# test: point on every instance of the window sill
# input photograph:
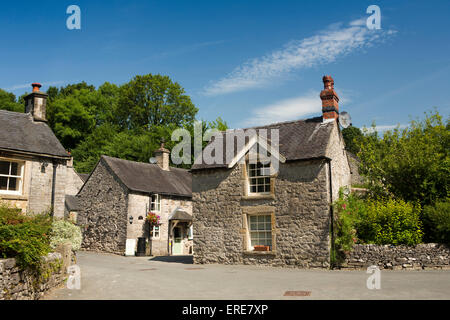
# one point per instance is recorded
(261, 253)
(12, 197)
(259, 197)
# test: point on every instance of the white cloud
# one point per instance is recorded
(285, 110)
(383, 128)
(28, 85)
(324, 47)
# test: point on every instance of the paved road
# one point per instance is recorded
(105, 276)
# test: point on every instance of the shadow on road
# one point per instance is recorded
(174, 259)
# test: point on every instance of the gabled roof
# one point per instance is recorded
(150, 178)
(298, 140)
(72, 203)
(20, 133)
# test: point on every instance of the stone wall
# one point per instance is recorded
(16, 284)
(340, 168)
(73, 182)
(36, 195)
(41, 183)
(138, 205)
(301, 218)
(354, 167)
(103, 203)
(422, 256)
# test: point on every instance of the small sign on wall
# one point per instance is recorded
(130, 247)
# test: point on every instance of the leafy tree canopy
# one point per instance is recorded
(413, 163)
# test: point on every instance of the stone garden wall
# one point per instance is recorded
(16, 284)
(419, 257)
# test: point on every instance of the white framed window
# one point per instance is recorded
(258, 178)
(191, 232)
(155, 205)
(155, 232)
(260, 231)
(11, 177)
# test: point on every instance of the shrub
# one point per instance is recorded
(24, 237)
(376, 221)
(391, 222)
(65, 232)
(436, 219)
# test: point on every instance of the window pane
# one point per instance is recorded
(3, 183)
(268, 218)
(260, 188)
(14, 169)
(4, 167)
(13, 184)
(253, 218)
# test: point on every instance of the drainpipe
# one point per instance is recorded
(331, 204)
(55, 166)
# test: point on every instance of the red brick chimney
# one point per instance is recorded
(330, 99)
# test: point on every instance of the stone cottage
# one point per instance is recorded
(117, 196)
(246, 212)
(33, 163)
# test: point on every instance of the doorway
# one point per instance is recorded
(177, 241)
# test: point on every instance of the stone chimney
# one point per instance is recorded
(36, 103)
(330, 99)
(162, 157)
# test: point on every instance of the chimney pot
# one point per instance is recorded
(36, 86)
(330, 99)
(162, 157)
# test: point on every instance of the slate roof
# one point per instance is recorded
(180, 215)
(150, 178)
(83, 176)
(18, 132)
(298, 140)
(72, 203)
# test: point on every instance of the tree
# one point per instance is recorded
(9, 102)
(352, 135)
(412, 164)
(153, 100)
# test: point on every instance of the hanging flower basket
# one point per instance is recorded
(153, 219)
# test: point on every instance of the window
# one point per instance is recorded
(155, 232)
(11, 177)
(260, 229)
(259, 178)
(191, 232)
(156, 203)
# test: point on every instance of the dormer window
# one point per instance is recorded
(259, 178)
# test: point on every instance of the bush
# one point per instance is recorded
(65, 232)
(376, 221)
(24, 237)
(436, 221)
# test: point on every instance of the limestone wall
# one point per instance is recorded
(301, 216)
(16, 284)
(138, 206)
(36, 195)
(103, 215)
(340, 167)
(421, 256)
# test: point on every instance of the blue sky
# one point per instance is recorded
(250, 62)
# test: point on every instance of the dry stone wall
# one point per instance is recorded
(16, 284)
(421, 256)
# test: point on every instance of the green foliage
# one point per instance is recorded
(437, 222)
(385, 221)
(63, 232)
(153, 100)
(25, 238)
(412, 164)
(9, 102)
(352, 137)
